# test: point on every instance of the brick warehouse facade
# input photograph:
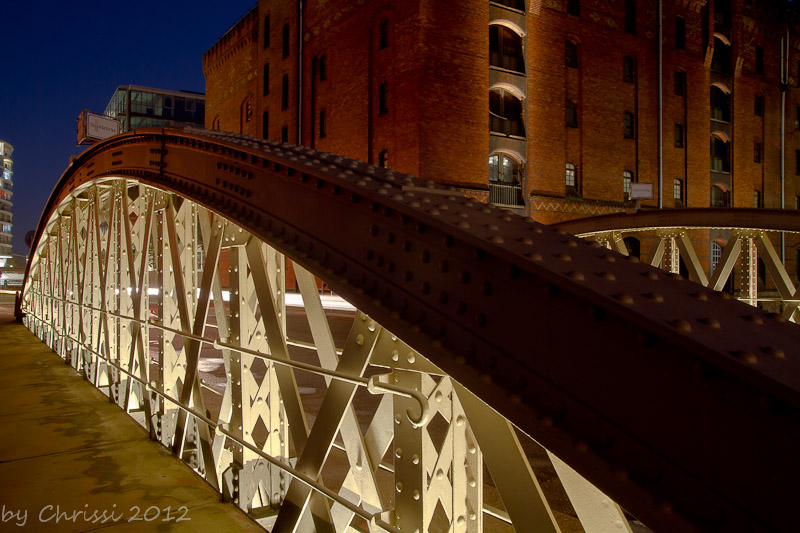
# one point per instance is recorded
(571, 88)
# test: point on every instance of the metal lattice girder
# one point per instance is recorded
(679, 404)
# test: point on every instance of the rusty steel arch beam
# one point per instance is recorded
(696, 218)
(679, 404)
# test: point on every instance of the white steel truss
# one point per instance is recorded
(744, 249)
(178, 315)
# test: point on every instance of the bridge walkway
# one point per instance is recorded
(66, 453)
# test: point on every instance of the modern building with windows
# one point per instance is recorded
(581, 98)
(6, 183)
(144, 107)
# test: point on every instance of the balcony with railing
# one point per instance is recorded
(506, 194)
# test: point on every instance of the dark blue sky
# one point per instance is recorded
(59, 57)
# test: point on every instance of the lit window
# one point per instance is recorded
(627, 179)
(677, 192)
(504, 169)
(570, 176)
(716, 255)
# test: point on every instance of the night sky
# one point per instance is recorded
(60, 57)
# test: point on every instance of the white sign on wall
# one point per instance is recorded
(641, 191)
(100, 127)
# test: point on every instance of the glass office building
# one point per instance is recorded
(145, 107)
(5, 201)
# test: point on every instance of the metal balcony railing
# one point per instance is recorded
(507, 194)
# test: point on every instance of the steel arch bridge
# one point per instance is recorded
(748, 240)
(161, 249)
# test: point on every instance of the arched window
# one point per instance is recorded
(716, 254)
(285, 40)
(505, 48)
(504, 169)
(627, 179)
(628, 73)
(265, 124)
(266, 31)
(285, 134)
(574, 7)
(323, 67)
(571, 114)
(720, 154)
(570, 54)
(721, 61)
(677, 192)
(505, 113)
(628, 129)
(215, 123)
(720, 104)
(634, 246)
(719, 196)
(246, 114)
(285, 92)
(571, 180)
(505, 178)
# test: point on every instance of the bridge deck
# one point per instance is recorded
(66, 449)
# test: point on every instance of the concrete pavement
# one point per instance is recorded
(72, 461)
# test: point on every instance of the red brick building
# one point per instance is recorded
(547, 107)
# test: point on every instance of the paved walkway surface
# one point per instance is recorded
(72, 461)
